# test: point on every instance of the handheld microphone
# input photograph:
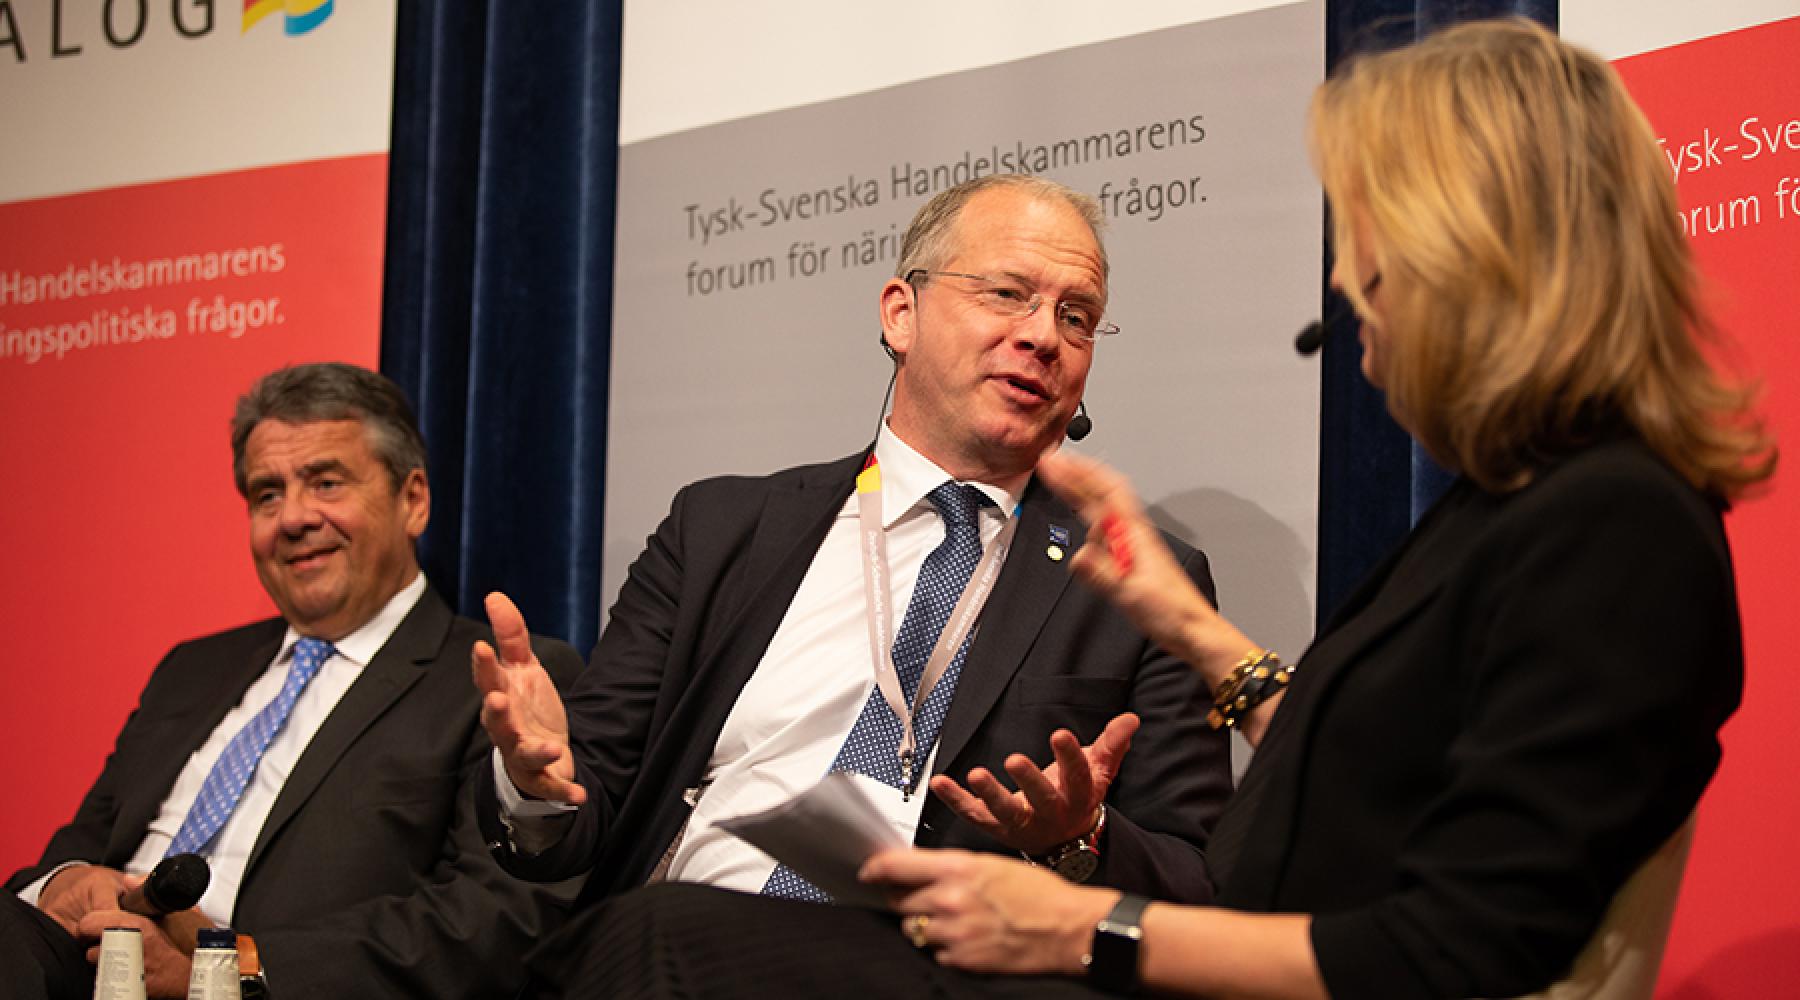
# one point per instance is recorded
(176, 883)
(1081, 425)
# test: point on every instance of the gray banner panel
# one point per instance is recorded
(750, 255)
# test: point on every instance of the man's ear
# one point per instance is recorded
(898, 315)
(415, 498)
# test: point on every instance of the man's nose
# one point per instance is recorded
(297, 512)
(1037, 331)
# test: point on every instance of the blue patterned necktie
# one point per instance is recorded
(870, 747)
(225, 783)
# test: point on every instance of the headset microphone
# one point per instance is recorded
(1310, 339)
(1081, 425)
(887, 349)
(1313, 337)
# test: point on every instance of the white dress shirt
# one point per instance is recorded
(230, 850)
(793, 715)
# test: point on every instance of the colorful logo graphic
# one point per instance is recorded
(301, 16)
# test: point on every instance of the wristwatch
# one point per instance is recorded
(251, 984)
(1078, 859)
(1112, 958)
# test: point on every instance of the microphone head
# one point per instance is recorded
(1081, 426)
(177, 882)
(1310, 339)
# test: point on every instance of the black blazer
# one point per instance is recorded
(369, 878)
(1505, 720)
(702, 602)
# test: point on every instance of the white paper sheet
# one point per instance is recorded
(825, 833)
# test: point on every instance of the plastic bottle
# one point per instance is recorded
(215, 968)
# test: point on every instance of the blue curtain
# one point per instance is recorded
(498, 298)
(1373, 481)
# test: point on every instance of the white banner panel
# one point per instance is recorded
(750, 255)
(1619, 28)
(700, 62)
(101, 93)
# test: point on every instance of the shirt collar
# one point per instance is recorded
(360, 646)
(906, 476)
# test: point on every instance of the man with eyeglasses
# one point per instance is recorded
(902, 614)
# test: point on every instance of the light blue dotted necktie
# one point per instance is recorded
(870, 747)
(225, 783)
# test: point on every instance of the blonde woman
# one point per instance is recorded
(1522, 703)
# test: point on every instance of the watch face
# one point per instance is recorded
(1077, 865)
(1114, 967)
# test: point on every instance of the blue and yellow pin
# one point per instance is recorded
(1059, 543)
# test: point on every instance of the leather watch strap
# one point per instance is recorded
(1112, 958)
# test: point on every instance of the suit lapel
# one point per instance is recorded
(1030, 584)
(1267, 798)
(396, 667)
(188, 733)
(793, 522)
(1379, 604)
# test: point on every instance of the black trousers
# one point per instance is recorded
(682, 940)
(38, 959)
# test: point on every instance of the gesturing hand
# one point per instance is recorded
(521, 709)
(1125, 560)
(1054, 805)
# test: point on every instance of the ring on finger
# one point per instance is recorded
(915, 926)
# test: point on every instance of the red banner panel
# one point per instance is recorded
(131, 319)
(1728, 111)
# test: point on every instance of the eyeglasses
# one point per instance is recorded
(1079, 323)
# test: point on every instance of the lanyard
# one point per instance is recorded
(876, 586)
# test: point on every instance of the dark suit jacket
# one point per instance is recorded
(702, 602)
(369, 878)
(1498, 728)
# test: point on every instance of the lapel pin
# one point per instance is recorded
(1059, 537)
(1055, 552)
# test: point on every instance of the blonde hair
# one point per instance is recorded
(1536, 288)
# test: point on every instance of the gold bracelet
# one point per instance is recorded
(1256, 678)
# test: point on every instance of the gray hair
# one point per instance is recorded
(927, 243)
(303, 394)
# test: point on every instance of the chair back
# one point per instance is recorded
(1620, 961)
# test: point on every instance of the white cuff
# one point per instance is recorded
(533, 826)
(29, 895)
(514, 804)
